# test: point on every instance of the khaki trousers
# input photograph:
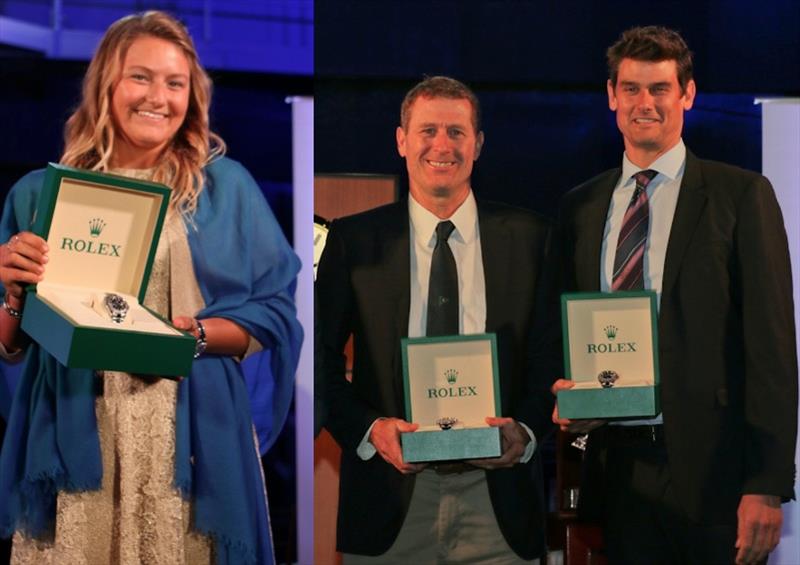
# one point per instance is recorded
(450, 521)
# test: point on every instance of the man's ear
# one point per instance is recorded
(612, 97)
(400, 136)
(479, 139)
(688, 94)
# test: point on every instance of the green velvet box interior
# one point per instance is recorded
(611, 353)
(451, 377)
(102, 231)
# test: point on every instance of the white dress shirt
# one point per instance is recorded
(662, 195)
(465, 243)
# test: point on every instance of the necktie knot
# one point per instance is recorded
(443, 230)
(643, 178)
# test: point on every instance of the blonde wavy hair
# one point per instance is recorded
(89, 134)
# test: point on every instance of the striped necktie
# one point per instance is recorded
(629, 259)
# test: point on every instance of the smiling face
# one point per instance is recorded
(649, 104)
(149, 101)
(440, 145)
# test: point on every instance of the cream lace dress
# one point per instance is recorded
(138, 516)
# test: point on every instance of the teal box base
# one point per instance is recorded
(106, 350)
(448, 445)
(621, 402)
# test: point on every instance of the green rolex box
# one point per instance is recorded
(451, 386)
(102, 231)
(611, 354)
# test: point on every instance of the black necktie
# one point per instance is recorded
(443, 286)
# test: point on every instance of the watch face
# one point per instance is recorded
(117, 307)
(607, 378)
(320, 235)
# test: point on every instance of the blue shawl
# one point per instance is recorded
(246, 272)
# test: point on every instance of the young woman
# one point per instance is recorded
(108, 467)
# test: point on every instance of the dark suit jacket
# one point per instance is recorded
(726, 335)
(363, 287)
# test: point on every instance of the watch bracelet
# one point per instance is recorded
(13, 312)
(200, 346)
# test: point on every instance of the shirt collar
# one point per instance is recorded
(424, 222)
(670, 164)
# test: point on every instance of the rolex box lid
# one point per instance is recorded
(102, 231)
(451, 386)
(451, 377)
(611, 354)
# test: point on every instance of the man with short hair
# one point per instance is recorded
(374, 281)
(703, 481)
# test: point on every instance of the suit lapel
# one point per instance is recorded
(495, 254)
(498, 265)
(397, 282)
(691, 201)
(589, 242)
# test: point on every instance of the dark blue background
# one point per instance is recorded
(539, 70)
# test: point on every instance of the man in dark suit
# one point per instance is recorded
(373, 282)
(703, 481)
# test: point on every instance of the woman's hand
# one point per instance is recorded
(185, 323)
(22, 262)
(223, 336)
